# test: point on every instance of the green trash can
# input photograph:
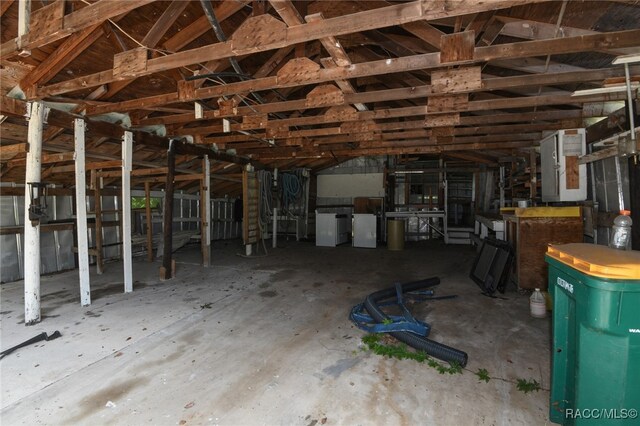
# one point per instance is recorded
(595, 360)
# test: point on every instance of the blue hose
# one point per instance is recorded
(435, 349)
(290, 188)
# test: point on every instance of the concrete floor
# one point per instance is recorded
(267, 341)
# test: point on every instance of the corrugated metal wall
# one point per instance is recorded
(56, 248)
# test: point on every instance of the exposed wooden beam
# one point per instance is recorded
(488, 84)
(76, 21)
(477, 158)
(46, 159)
(152, 38)
(464, 121)
(422, 61)
(4, 5)
(62, 56)
(16, 107)
(483, 105)
(399, 131)
(287, 12)
(535, 30)
(350, 153)
(421, 29)
(9, 151)
(166, 20)
(339, 57)
(361, 21)
(222, 9)
(425, 32)
(480, 22)
(599, 155)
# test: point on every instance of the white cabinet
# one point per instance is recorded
(364, 230)
(563, 179)
(332, 229)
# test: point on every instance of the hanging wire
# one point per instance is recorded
(548, 60)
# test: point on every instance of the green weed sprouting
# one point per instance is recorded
(483, 375)
(527, 386)
(402, 351)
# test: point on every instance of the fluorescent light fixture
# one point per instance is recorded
(226, 125)
(601, 90)
(626, 59)
(408, 172)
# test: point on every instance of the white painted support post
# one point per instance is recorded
(274, 234)
(24, 19)
(127, 155)
(206, 229)
(306, 203)
(32, 231)
(81, 213)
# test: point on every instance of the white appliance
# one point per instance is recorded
(364, 230)
(563, 179)
(332, 229)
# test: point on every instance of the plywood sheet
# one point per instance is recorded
(254, 121)
(298, 71)
(130, 63)
(257, 31)
(442, 120)
(456, 80)
(447, 103)
(457, 47)
(534, 234)
(324, 95)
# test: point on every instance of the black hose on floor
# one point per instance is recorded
(435, 349)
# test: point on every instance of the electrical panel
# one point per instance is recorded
(563, 179)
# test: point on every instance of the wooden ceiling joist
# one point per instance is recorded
(320, 81)
(490, 84)
(423, 61)
(361, 21)
(76, 21)
(16, 107)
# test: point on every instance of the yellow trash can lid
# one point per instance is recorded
(599, 261)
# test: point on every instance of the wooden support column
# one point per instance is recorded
(167, 265)
(250, 221)
(32, 229)
(81, 212)
(98, 212)
(147, 196)
(205, 212)
(127, 160)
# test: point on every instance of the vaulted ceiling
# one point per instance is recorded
(309, 83)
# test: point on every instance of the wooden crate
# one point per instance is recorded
(530, 236)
